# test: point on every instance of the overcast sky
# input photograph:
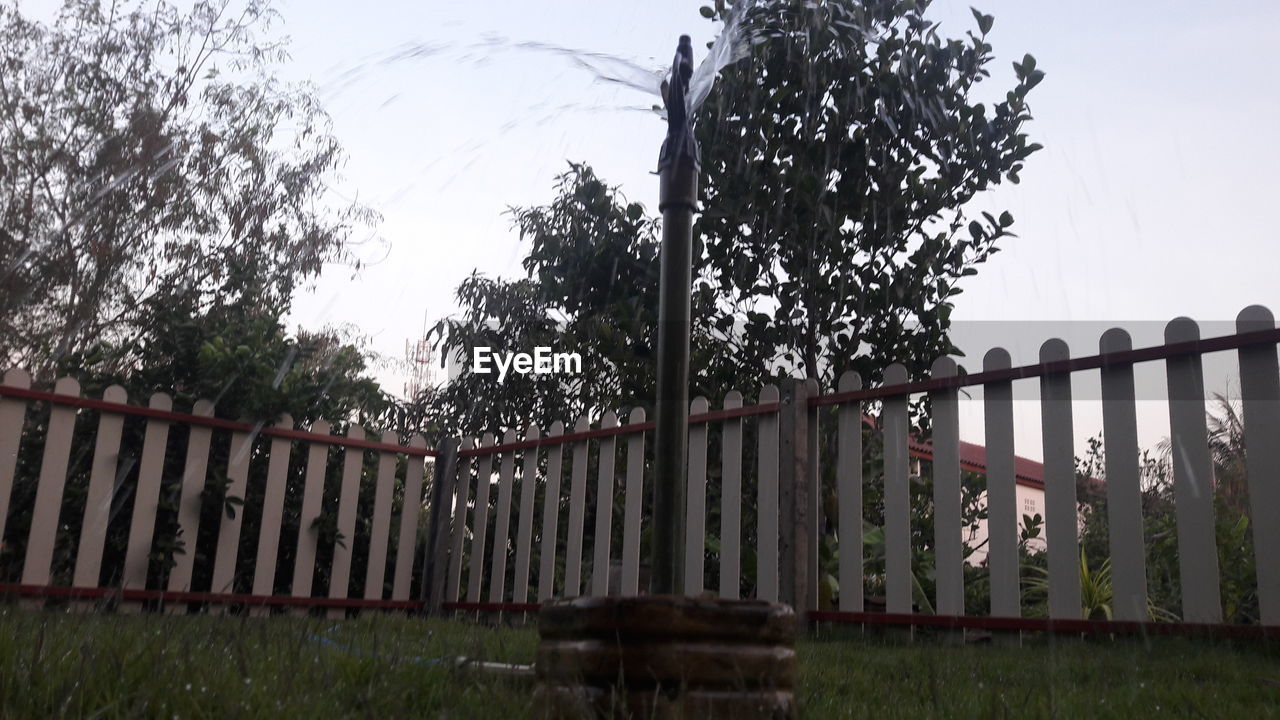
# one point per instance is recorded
(1154, 196)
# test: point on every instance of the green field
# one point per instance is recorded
(125, 666)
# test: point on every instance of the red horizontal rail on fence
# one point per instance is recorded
(1094, 627)
(1092, 362)
(646, 426)
(491, 607)
(176, 417)
(88, 593)
(1105, 627)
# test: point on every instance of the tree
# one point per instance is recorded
(838, 163)
(148, 154)
(162, 195)
(243, 360)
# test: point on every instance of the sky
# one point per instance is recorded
(1153, 197)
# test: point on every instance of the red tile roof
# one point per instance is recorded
(973, 457)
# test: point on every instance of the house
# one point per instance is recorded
(1028, 478)
(1028, 489)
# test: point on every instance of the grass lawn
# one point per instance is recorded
(116, 666)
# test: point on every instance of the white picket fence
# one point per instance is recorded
(48, 517)
(787, 540)
(1255, 344)
(543, 460)
(547, 484)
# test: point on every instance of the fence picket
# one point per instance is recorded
(304, 560)
(463, 484)
(524, 538)
(1260, 389)
(380, 532)
(97, 505)
(577, 513)
(632, 507)
(767, 500)
(224, 561)
(480, 533)
(53, 479)
(696, 501)
(13, 413)
(731, 500)
(849, 497)
(897, 497)
(1002, 499)
(1192, 479)
(604, 508)
(264, 568)
(348, 499)
(550, 517)
(146, 500)
(410, 512)
(948, 533)
(1124, 492)
(1060, 520)
(502, 522)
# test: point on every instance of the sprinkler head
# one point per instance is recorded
(680, 145)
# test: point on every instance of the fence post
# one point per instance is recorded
(798, 497)
(434, 559)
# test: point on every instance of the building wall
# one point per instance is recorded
(1030, 502)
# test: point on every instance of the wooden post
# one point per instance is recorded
(798, 497)
(433, 571)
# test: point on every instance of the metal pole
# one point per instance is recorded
(677, 200)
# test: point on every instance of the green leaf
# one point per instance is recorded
(707, 12)
(984, 21)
